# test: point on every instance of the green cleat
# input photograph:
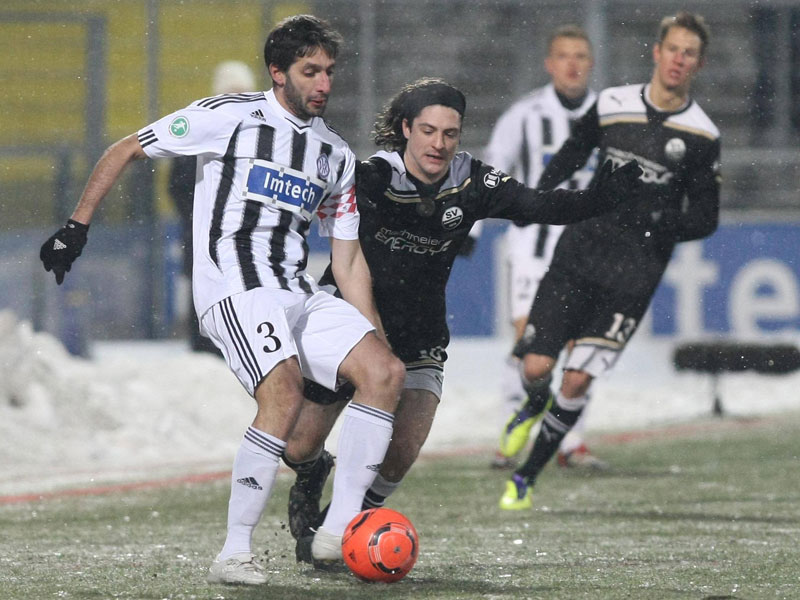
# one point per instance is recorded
(518, 429)
(518, 496)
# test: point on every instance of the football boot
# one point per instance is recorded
(518, 495)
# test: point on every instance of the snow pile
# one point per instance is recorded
(132, 410)
(150, 409)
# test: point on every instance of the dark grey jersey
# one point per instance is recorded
(629, 248)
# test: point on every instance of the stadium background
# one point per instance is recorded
(79, 75)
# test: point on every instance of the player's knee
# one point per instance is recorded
(392, 373)
(537, 367)
(384, 377)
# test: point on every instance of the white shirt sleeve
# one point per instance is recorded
(338, 214)
(188, 132)
(505, 144)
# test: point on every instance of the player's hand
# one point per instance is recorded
(618, 185)
(62, 248)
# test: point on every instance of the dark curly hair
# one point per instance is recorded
(408, 103)
(299, 36)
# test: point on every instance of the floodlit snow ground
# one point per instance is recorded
(143, 410)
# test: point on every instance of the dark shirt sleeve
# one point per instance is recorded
(574, 152)
(697, 215)
(506, 198)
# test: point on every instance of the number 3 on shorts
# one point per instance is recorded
(266, 330)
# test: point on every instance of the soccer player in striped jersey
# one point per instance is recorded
(605, 270)
(267, 165)
(523, 141)
(418, 200)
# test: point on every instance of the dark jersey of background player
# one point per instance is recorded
(630, 247)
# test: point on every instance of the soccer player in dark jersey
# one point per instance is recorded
(605, 270)
(418, 200)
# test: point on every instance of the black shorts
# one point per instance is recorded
(319, 394)
(573, 308)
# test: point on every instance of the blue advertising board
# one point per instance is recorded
(742, 282)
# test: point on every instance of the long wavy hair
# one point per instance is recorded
(408, 103)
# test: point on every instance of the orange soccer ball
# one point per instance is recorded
(380, 544)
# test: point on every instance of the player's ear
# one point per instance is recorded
(278, 76)
(406, 128)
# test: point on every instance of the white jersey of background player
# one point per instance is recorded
(523, 140)
(267, 165)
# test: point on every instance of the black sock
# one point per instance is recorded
(555, 425)
(538, 393)
(309, 472)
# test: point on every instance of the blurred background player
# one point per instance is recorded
(523, 141)
(605, 270)
(230, 77)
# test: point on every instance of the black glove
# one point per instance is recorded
(467, 246)
(618, 185)
(62, 248)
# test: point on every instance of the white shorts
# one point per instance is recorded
(259, 328)
(528, 252)
(592, 359)
(523, 281)
(428, 377)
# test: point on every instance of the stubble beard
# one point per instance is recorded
(296, 101)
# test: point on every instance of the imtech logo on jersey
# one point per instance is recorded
(284, 188)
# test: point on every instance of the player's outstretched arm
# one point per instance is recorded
(560, 207)
(65, 245)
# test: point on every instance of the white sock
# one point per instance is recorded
(254, 470)
(363, 439)
(379, 491)
(511, 387)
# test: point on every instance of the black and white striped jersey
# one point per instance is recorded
(262, 176)
(524, 139)
(679, 152)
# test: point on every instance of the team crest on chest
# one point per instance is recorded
(323, 167)
(675, 149)
(452, 217)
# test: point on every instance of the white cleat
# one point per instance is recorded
(239, 569)
(326, 550)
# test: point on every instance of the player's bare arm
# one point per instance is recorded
(105, 174)
(61, 249)
(351, 272)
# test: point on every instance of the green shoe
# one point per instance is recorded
(518, 496)
(518, 429)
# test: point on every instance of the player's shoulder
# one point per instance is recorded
(233, 104)
(328, 133)
(533, 101)
(694, 120)
(461, 168)
(622, 100)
